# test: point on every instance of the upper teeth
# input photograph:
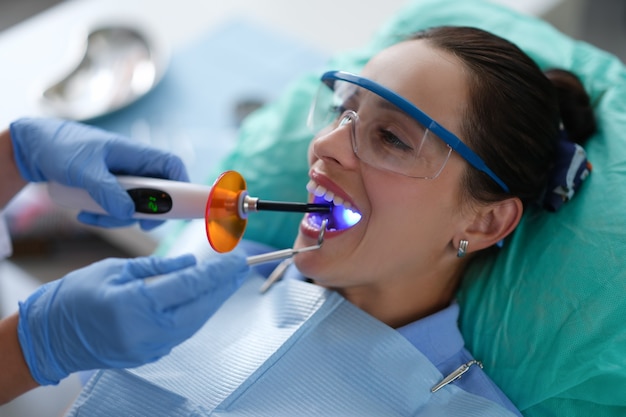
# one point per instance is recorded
(319, 191)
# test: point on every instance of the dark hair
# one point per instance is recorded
(514, 112)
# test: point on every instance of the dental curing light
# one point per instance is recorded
(228, 206)
(224, 205)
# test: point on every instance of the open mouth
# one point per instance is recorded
(339, 218)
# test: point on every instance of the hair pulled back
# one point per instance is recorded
(514, 113)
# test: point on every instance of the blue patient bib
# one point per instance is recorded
(297, 350)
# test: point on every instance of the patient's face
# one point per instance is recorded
(407, 226)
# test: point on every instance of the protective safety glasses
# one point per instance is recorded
(388, 132)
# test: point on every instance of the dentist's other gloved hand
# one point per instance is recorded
(83, 156)
(107, 316)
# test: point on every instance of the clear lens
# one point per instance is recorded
(325, 109)
(383, 135)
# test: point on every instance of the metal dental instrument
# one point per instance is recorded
(126, 60)
(279, 271)
(286, 253)
(224, 205)
(456, 374)
(276, 275)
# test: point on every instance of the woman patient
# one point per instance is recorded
(435, 148)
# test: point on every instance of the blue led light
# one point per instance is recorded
(350, 217)
(340, 218)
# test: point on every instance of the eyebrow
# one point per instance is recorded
(387, 105)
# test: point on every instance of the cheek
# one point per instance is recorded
(411, 208)
(393, 210)
(390, 193)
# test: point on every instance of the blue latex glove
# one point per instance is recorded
(83, 156)
(106, 316)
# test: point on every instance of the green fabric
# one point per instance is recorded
(546, 315)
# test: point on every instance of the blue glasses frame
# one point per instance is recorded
(409, 108)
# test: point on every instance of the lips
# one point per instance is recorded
(342, 216)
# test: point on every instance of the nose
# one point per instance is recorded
(336, 144)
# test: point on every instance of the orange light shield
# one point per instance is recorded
(225, 223)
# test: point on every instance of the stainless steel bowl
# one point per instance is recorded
(119, 65)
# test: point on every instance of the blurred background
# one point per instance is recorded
(15, 11)
(600, 22)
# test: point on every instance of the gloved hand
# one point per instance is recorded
(83, 156)
(107, 316)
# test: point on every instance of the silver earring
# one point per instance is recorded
(462, 248)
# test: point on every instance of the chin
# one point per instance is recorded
(308, 263)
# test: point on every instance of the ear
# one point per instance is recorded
(490, 223)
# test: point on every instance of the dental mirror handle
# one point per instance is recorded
(277, 255)
(286, 253)
(154, 198)
(269, 257)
